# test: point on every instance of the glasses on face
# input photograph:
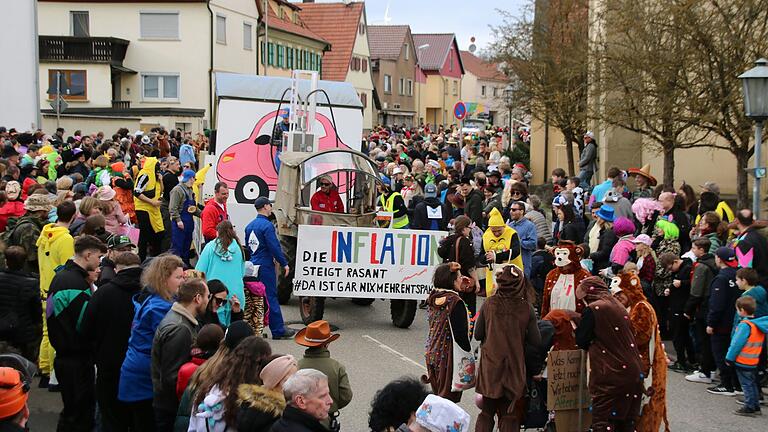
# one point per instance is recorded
(516, 193)
(516, 209)
(324, 184)
(219, 301)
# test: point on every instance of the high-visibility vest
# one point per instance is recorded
(750, 353)
(389, 206)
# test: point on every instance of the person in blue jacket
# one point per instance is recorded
(265, 248)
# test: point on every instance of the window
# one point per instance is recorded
(495, 92)
(401, 86)
(221, 29)
(263, 52)
(298, 59)
(280, 56)
(79, 23)
(409, 88)
(73, 84)
(407, 51)
(365, 65)
(482, 90)
(289, 58)
(311, 61)
(295, 17)
(271, 54)
(387, 84)
(455, 87)
(160, 87)
(361, 29)
(159, 25)
(247, 36)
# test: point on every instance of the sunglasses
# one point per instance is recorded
(325, 184)
(513, 193)
(219, 301)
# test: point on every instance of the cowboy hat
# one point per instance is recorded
(315, 334)
(645, 171)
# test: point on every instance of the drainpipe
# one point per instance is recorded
(210, 71)
(546, 147)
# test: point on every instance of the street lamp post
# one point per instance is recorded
(508, 100)
(755, 84)
(418, 97)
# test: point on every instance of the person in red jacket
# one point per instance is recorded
(215, 211)
(327, 199)
(208, 339)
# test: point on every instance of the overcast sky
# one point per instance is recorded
(464, 18)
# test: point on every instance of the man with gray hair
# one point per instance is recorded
(308, 401)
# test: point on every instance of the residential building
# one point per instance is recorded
(345, 26)
(152, 63)
(482, 89)
(292, 45)
(393, 64)
(439, 74)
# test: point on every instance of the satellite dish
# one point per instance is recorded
(472, 48)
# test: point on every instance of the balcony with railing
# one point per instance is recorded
(73, 49)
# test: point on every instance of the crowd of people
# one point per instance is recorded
(102, 288)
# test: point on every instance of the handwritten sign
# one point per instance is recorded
(564, 371)
(365, 262)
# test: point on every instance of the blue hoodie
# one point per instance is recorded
(135, 378)
(741, 335)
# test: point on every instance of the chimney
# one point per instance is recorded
(308, 1)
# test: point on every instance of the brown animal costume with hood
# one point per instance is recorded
(561, 282)
(653, 360)
(506, 325)
(615, 380)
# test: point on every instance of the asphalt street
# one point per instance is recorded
(375, 352)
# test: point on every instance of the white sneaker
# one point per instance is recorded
(698, 377)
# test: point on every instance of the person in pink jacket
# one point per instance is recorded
(115, 219)
(624, 229)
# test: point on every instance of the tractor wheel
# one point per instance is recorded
(403, 312)
(285, 283)
(360, 301)
(311, 309)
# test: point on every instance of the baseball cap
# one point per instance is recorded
(187, 175)
(261, 202)
(727, 255)
(430, 190)
(117, 241)
(712, 187)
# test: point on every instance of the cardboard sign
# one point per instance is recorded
(564, 370)
(365, 262)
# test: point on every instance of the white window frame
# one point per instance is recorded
(161, 12)
(249, 26)
(72, 21)
(224, 17)
(387, 90)
(407, 51)
(160, 87)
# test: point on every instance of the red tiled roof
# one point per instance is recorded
(433, 57)
(480, 68)
(338, 24)
(288, 26)
(386, 41)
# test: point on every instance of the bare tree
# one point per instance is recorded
(545, 48)
(642, 76)
(725, 37)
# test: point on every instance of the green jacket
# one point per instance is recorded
(24, 232)
(338, 382)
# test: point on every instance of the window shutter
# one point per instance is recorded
(159, 25)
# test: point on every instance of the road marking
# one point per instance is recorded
(396, 353)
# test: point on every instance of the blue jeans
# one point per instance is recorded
(268, 277)
(586, 178)
(748, 380)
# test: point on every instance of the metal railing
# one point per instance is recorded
(121, 104)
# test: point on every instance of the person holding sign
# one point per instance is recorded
(327, 198)
(501, 245)
(616, 381)
(506, 326)
(392, 202)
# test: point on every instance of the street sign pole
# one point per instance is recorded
(758, 173)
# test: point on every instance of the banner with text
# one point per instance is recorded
(365, 262)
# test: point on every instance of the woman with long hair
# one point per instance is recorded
(448, 325)
(690, 201)
(161, 281)
(224, 259)
(216, 399)
(457, 247)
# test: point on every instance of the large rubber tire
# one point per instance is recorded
(285, 283)
(403, 312)
(361, 301)
(311, 309)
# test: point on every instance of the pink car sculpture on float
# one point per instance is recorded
(250, 169)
